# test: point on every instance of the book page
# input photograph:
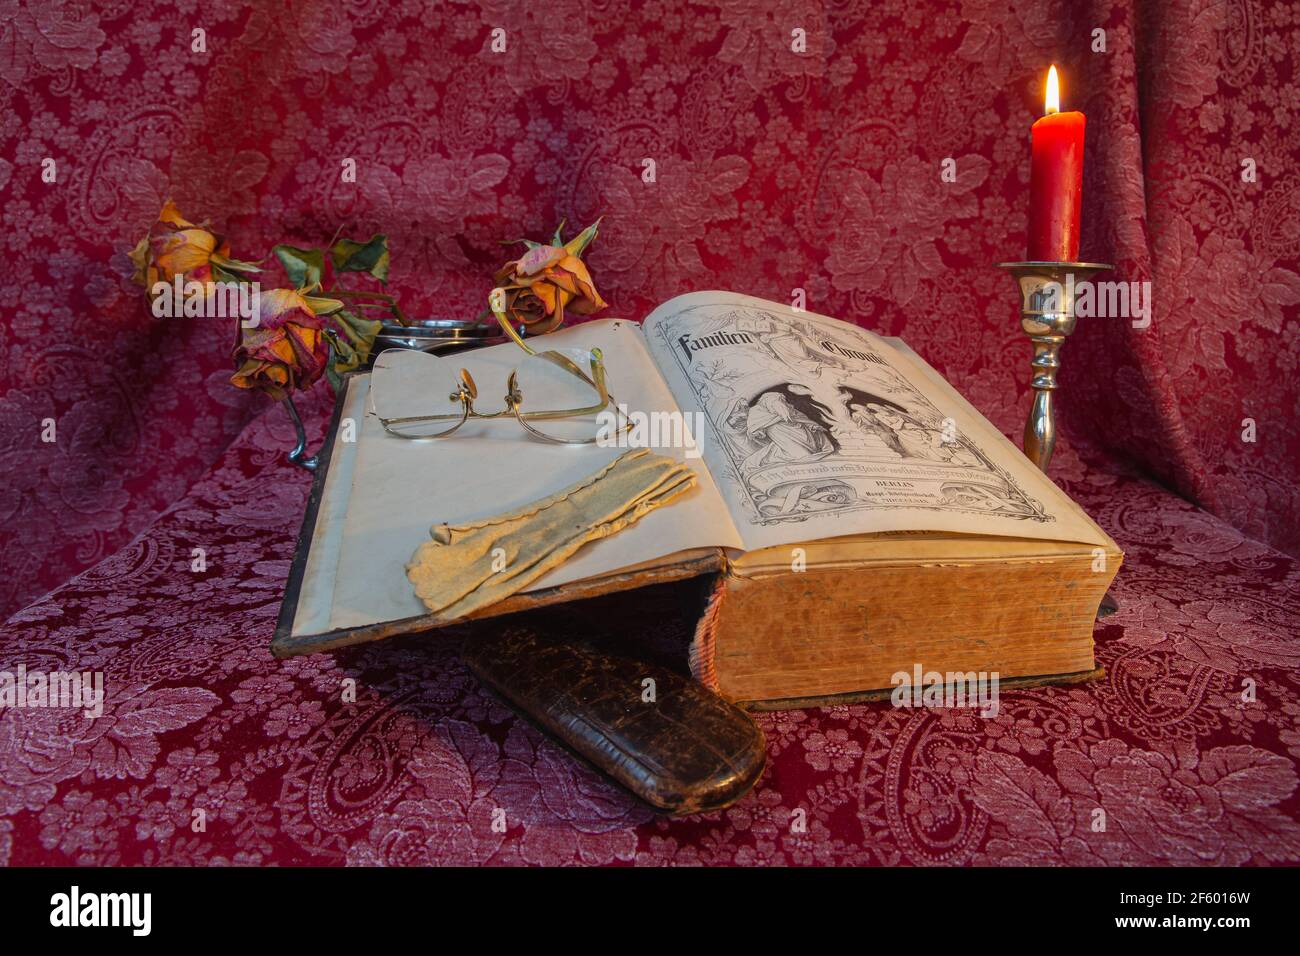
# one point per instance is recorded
(816, 428)
(399, 488)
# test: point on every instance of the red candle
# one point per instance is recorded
(1055, 181)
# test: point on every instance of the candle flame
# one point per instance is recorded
(1052, 102)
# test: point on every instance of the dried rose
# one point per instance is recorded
(288, 350)
(547, 281)
(175, 246)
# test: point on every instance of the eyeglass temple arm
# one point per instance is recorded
(596, 381)
(509, 329)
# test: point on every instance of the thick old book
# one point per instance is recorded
(859, 517)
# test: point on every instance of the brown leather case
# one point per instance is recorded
(685, 751)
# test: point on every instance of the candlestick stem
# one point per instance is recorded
(1047, 292)
(1040, 427)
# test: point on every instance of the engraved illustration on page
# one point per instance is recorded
(812, 420)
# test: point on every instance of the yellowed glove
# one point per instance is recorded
(453, 574)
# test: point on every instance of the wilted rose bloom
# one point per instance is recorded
(544, 284)
(287, 351)
(175, 246)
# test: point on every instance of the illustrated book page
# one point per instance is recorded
(814, 428)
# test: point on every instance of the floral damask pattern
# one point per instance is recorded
(51, 35)
(1168, 751)
(721, 158)
(766, 147)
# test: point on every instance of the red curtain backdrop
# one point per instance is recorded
(774, 171)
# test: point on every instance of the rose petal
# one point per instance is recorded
(538, 258)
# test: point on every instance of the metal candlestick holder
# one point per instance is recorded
(1047, 316)
(1047, 292)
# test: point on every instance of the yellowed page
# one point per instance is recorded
(817, 429)
(316, 595)
(400, 488)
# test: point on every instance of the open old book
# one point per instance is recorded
(861, 518)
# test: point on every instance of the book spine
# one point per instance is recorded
(703, 644)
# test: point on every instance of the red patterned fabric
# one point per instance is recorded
(774, 171)
(200, 717)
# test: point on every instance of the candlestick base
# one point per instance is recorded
(1047, 294)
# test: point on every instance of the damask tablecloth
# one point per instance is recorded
(1186, 750)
